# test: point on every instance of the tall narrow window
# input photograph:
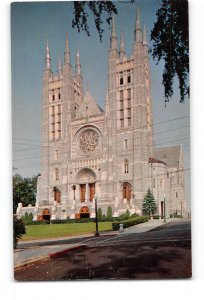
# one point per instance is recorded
(129, 121)
(125, 144)
(126, 166)
(122, 123)
(154, 182)
(56, 174)
(53, 97)
(56, 154)
(121, 78)
(128, 76)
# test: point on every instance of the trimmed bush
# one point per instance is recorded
(109, 213)
(99, 213)
(130, 222)
(18, 230)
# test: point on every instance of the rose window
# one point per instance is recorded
(89, 141)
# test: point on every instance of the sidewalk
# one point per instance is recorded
(38, 250)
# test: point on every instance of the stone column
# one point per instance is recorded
(87, 192)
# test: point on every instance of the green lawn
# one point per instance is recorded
(62, 230)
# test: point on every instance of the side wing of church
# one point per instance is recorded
(110, 153)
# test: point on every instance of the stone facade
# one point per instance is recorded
(87, 151)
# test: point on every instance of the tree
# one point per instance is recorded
(149, 205)
(18, 230)
(97, 8)
(24, 190)
(170, 37)
(171, 43)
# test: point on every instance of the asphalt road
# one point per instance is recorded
(162, 253)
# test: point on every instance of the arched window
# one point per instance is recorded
(56, 174)
(57, 195)
(126, 166)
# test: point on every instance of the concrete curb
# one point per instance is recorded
(65, 251)
(30, 261)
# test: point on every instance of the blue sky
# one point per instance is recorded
(31, 24)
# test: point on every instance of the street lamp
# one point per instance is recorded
(96, 213)
(164, 209)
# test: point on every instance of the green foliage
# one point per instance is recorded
(170, 38)
(124, 216)
(98, 9)
(149, 205)
(24, 190)
(109, 213)
(18, 230)
(99, 213)
(130, 222)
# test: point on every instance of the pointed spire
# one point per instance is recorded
(113, 39)
(59, 66)
(78, 65)
(67, 52)
(145, 37)
(47, 57)
(122, 46)
(138, 31)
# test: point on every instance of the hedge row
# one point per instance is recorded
(130, 222)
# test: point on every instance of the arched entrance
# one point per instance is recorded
(46, 214)
(86, 179)
(57, 195)
(127, 191)
(84, 212)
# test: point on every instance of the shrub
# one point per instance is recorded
(99, 213)
(109, 213)
(130, 222)
(18, 230)
(124, 216)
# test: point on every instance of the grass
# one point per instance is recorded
(34, 232)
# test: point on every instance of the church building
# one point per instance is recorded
(108, 153)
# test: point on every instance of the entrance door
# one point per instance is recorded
(46, 214)
(127, 191)
(91, 191)
(162, 209)
(84, 212)
(82, 192)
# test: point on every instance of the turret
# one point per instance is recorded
(122, 47)
(59, 71)
(138, 31)
(47, 57)
(67, 51)
(78, 65)
(113, 39)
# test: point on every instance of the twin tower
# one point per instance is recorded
(88, 152)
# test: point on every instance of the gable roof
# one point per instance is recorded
(89, 107)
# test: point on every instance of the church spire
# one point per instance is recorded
(67, 52)
(59, 66)
(78, 65)
(138, 31)
(144, 42)
(113, 39)
(122, 46)
(47, 57)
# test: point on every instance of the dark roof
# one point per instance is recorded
(169, 155)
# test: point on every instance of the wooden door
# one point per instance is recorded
(127, 191)
(57, 196)
(82, 192)
(91, 191)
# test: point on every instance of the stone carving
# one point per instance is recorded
(89, 141)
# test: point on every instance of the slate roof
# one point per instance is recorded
(169, 155)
